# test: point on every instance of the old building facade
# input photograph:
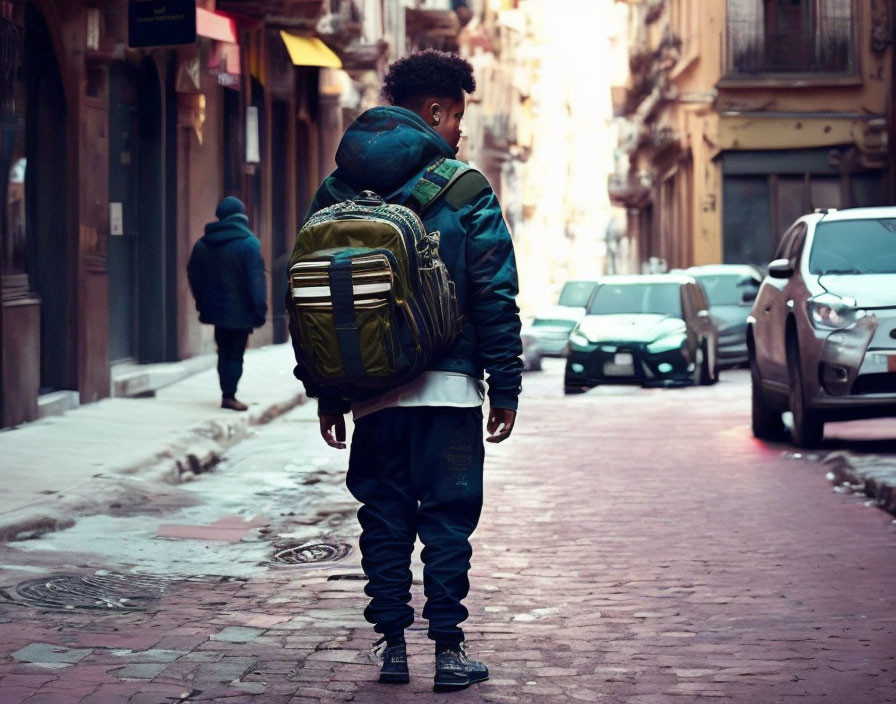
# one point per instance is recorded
(739, 116)
(539, 127)
(115, 156)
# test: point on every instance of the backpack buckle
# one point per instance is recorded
(369, 198)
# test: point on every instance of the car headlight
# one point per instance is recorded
(667, 343)
(831, 312)
(578, 339)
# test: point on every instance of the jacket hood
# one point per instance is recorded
(385, 147)
(233, 227)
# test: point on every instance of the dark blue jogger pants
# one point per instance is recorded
(231, 347)
(417, 471)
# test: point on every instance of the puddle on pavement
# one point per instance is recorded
(280, 474)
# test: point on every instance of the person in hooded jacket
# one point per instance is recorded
(226, 274)
(417, 454)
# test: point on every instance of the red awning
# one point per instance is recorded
(215, 26)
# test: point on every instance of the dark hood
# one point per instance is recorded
(385, 148)
(220, 232)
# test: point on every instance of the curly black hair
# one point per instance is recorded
(427, 74)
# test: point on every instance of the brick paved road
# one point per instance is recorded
(637, 547)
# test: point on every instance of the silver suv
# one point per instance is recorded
(822, 332)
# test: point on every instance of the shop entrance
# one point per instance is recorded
(137, 272)
(49, 249)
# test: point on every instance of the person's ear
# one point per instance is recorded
(436, 111)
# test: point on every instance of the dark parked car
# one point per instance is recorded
(551, 329)
(822, 333)
(531, 351)
(653, 329)
(577, 293)
(731, 290)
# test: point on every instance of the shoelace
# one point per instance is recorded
(460, 653)
(378, 649)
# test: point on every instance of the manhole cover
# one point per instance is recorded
(124, 592)
(312, 553)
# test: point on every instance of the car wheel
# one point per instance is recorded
(808, 425)
(570, 390)
(767, 422)
(708, 376)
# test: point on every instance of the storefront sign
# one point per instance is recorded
(161, 22)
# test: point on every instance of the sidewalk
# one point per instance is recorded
(122, 449)
(873, 475)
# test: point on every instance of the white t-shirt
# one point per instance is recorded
(429, 389)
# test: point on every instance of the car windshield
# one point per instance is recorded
(726, 289)
(661, 298)
(576, 293)
(854, 247)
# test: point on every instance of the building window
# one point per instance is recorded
(790, 36)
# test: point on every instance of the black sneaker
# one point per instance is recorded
(394, 669)
(454, 670)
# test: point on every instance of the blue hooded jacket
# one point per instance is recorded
(226, 274)
(386, 150)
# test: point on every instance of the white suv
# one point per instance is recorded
(822, 332)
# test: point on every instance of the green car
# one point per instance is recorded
(653, 330)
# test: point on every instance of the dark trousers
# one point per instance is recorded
(231, 346)
(417, 471)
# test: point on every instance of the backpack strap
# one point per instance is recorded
(444, 177)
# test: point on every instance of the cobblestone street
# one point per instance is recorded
(636, 546)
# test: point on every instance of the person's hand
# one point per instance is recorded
(332, 429)
(500, 424)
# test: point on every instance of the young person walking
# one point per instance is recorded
(417, 451)
(226, 274)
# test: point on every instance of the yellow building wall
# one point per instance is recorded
(799, 113)
(772, 132)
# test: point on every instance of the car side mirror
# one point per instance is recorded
(780, 269)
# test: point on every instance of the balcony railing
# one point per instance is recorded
(821, 43)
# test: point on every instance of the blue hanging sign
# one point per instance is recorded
(161, 22)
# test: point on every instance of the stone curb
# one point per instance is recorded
(206, 443)
(182, 459)
(873, 475)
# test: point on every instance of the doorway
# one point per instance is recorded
(49, 249)
(137, 270)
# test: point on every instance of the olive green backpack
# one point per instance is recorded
(371, 302)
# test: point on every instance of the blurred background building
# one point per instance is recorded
(739, 116)
(620, 135)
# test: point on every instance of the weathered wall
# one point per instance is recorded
(200, 189)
